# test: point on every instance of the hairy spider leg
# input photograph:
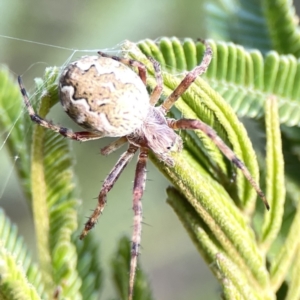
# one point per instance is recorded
(156, 93)
(109, 182)
(140, 173)
(113, 146)
(130, 62)
(81, 136)
(189, 78)
(197, 124)
(138, 191)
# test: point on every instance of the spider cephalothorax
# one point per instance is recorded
(155, 134)
(106, 97)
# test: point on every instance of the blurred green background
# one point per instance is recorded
(168, 256)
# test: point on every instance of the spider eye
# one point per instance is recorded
(171, 146)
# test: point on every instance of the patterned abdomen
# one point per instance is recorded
(104, 96)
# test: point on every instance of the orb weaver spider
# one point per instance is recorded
(105, 96)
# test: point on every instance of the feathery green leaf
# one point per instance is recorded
(89, 267)
(245, 78)
(20, 277)
(275, 176)
(294, 287)
(54, 204)
(120, 268)
(13, 123)
(283, 260)
(264, 25)
(202, 102)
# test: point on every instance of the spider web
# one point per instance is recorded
(9, 185)
(11, 195)
(29, 73)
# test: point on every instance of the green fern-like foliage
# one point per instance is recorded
(120, 269)
(67, 268)
(220, 230)
(253, 253)
(17, 281)
(48, 180)
(243, 77)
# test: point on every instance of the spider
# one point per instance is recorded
(104, 95)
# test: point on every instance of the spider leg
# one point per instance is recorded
(156, 93)
(78, 136)
(131, 62)
(197, 124)
(138, 190)
(115, 145)
(109, 182)
(189, 78)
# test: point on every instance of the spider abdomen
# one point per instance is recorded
(104, 95)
